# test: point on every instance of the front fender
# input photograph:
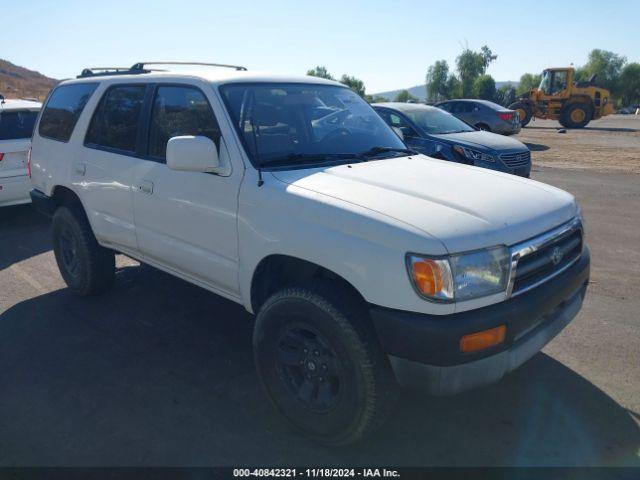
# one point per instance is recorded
(364, 247)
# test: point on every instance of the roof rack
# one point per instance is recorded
(141, 65)
(101, 71)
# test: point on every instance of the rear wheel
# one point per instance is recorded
(86, 267)
(576, 115)
(321, 364)
(524, 112)
(483, 126)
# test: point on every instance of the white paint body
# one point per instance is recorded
(359, 222)
(14, 182)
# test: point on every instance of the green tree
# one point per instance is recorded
(405, 96)
(484, 87)
(320, 71)
(606, 65)
(471, 65)
(375, 98)
(454, 87)
(630, 84)
(436, 81)
(527, 82)
(487, 56)
(354, 84)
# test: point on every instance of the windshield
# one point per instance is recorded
(303, 123)
(436, 121)
(545, 81)
(17, 124)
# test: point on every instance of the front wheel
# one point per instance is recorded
(321, 365)
(524, 112)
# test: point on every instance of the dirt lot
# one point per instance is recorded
(608, 145)
(159, 372)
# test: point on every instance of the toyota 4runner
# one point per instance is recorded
(367, 265)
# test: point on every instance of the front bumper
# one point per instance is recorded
(424, 349)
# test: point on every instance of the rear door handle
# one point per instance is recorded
(81, 168)
(146, 187)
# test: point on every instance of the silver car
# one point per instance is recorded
(484, 115)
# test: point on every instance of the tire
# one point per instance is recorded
(321, 364)
(86, 267)
(576, 115)
(524, 110)
(483, 126)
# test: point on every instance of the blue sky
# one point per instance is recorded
(387, 44)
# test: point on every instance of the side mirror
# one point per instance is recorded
(398, 132)
(192, 154)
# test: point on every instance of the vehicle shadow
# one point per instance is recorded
(536, 147)
(24, 233)
(159, 372)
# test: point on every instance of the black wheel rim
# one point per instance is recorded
(69, 251)
(309, 367)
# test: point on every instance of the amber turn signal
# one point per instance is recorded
(481, 340)
(428, 277)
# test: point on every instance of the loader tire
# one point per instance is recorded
(524, 111)
(576, 115)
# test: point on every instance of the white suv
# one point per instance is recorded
(367, 265)
(17, 118)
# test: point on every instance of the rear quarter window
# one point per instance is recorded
(63, 110)
(17, 124)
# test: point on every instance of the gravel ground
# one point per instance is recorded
(611, 144)
(159, 372)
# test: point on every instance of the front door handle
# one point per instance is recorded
(146, 187)
(81, 168)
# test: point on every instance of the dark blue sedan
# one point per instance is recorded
(439, 134)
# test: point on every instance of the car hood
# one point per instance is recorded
(464, 207)
(482, 139)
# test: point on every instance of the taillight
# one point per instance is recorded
(506, 116)
(1, 156)
(29, 162)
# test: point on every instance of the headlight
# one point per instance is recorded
(460, 277)
(473, 154)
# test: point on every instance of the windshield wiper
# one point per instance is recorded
(372, 152)
(304, 158)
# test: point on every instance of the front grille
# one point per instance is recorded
(514, 160)
(538, 265)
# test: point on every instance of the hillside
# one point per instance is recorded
(420, 91)
(19, 82)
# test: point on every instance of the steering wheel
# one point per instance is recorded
(338, 132)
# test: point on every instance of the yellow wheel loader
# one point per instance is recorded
(559, 97)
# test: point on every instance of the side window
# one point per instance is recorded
(445, 106)
(457, 107)
(63, 110)
(180, 110)
(559, 82)
(466, 107)
(115, 121)
(398, 121)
